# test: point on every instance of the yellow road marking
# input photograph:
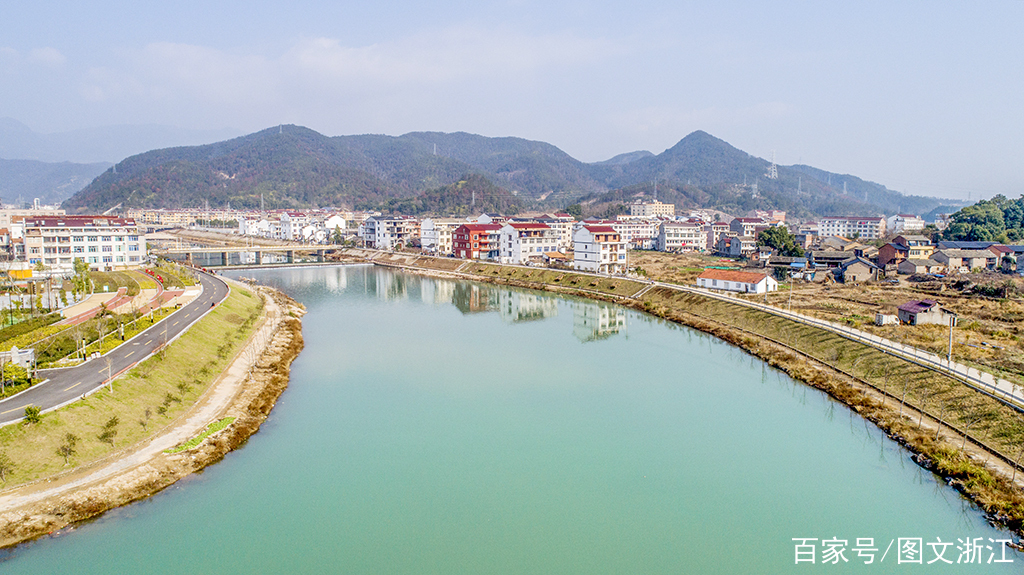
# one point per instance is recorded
(73, 386)
(129, 354)
(15, 409)
(175, 323)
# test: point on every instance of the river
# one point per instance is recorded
(434, 426)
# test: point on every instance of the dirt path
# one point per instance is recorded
(246, 390)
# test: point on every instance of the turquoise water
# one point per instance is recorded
(448, 427)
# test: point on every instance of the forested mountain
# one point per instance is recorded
(702, 171)
(292, 166)
(52, 183)
(471, 195)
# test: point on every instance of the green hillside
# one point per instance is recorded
(293, 167)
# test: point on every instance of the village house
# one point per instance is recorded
(599, 249)
(963, 261)
(681, 236)
(919, 312)
(521, 242)
(476, 241)
(737, 281)
(913, 266)
(858, 270)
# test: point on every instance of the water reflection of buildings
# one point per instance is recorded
(391, 286)
(594, 321)
(474, 298)
(437, 291)
(516, 306)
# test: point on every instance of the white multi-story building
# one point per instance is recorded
(634, 229)
(563, 225)
(681, 236)
(387, 232)
(652, 209)
(102, 242)
(436, 234)
(519, 242)
(292, 224)
(599, 249)
(903, 224)
(868, 228)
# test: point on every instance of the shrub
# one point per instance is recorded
(33, 414)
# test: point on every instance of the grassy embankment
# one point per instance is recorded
(165, 385)
(908, 392)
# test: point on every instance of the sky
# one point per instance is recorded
(924, 97)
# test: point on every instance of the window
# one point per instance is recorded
(108, 259)
(106, 238)
(79, 238)
(94, 238)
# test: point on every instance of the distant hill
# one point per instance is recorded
(702, 171)
(102, 144)
(52, 183)
(625, 158)
(293, 166)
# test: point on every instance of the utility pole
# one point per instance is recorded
(110, 376)
(949, 354)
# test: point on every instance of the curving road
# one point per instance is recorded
(65, 386)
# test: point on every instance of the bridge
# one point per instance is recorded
(225, 252)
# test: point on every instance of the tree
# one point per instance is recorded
(338, 236)
(779, 239)
(982, 222)
(575, 211)
(144, 420)
(32, 414)
(6, 466)
(109, 433)
(67, 450)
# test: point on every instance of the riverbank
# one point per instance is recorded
(967, 438)
(246, 390)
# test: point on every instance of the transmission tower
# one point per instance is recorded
(773, 172)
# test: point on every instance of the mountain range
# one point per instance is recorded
(293, 166)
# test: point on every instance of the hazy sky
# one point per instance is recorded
(924, 97)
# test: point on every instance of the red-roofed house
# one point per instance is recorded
(734, 280)
(599, 248)
(476, 241)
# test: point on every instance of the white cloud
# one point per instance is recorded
(47, 57)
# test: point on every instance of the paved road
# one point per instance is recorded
(68, 384)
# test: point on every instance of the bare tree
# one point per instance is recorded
(67, 450)
(144, 420)
(109, 433)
